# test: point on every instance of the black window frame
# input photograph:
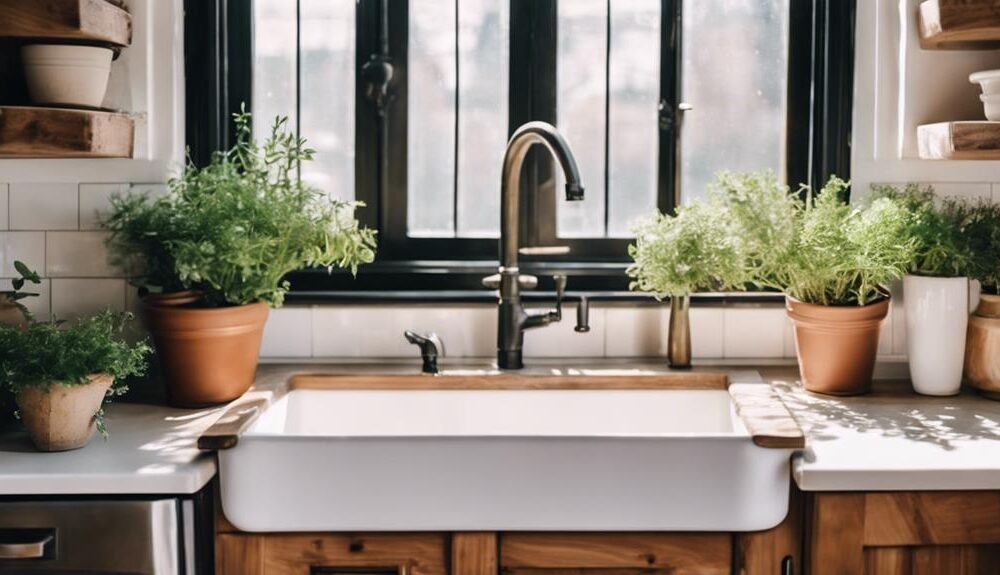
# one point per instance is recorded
(218, 60)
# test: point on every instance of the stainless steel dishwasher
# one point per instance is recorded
(154, 536)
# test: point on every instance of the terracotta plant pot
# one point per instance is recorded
(982, 348)
(837, 345)
(61, 417)
(174, 298)
(208, 355)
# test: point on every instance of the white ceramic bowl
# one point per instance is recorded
(988, 79)
(63, 74)
(991, 105)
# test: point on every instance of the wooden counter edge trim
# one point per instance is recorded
(766, 418)
(225, 432)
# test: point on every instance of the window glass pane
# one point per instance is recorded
(327, 87)
(483, 41)
(735, 62)
(581, 98)
(633, 137)
(274, 88)
(431, 119)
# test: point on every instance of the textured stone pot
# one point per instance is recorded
(837, 345)
(208, 356)
(60, 417)
(982, 347)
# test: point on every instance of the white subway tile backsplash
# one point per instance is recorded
(288, 333)
(75, 297)
(707, 327)
(560, 340)
(967, 190)
(377, 331)
(996, 192)
(44, 207)
(754, 332)
(4, 203)
(636, 331)
(38, 304)
(95, 201)
(29, 247)
(78, 254)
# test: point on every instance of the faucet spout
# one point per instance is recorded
(513, 318)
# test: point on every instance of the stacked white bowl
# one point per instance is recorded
(66, 74)
(990, 82)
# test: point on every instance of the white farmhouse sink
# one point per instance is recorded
(502, 459)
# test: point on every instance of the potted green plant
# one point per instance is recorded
(832, 260)
(62, 374)
(676, 255)
(12, 311)
(935, 287)
(982, 346)
(217, 247)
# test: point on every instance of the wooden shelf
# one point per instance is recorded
(79, 20)
(959, 25)
(979, 140)
(29, 132)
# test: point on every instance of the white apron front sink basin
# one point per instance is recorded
(502, 459)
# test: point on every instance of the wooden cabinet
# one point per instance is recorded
(904, 533)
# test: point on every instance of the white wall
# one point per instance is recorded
(49, 208)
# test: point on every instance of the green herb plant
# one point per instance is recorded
(677, 255)
(983, 233)
(816, 248)
(26, 275)
(57, 353)
(940, 228)
(234, 228)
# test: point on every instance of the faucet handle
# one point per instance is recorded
(523, 281)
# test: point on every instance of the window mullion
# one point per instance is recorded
(668, 192)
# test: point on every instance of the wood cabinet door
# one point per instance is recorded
(615, 553)
(332, 554)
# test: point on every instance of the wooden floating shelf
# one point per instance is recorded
(29, 132)
(960, 24)
(979, 140)
(80, 20)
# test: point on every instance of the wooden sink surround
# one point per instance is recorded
(762, 412)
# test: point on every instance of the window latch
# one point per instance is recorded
(670, 116)
(377, 73)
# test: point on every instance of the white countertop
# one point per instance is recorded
(894, 440)
(151, 450)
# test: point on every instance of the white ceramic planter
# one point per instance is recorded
(63, 74)
(937, 316)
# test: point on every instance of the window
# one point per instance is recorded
(409, 104)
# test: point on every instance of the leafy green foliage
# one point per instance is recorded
(983, 232)
(679, 255)
(939, 226)
(45, 353)
(235, 228)
(27, 274)
(846, 255)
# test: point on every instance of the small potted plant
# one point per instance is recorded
(982, 346)
(936, 287)
(833, 262)
(12, 311)
(677, 255)
(217, 248)
(62, 374)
